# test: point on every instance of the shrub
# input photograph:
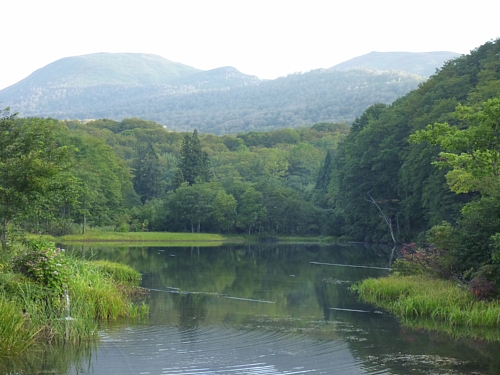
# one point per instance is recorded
(482, 288)
(429, 260)
(44, 264)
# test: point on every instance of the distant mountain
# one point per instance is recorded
(106, 69)
(219, 78)
(420, 63)
(222, 100)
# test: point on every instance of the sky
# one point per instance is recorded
(268, 38)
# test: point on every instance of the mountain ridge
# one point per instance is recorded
(220, 100)
(421, 63)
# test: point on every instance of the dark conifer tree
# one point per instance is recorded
(194, 162)
(149, 180)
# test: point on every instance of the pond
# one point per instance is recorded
(268, 309)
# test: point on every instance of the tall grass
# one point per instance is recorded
(94, 293)
(419, 296)
(98, 290)
(16, 334)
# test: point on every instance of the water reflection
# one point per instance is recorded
(269, 310)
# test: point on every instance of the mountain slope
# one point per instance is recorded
(105, 69)
(222, 100)
(421, 63)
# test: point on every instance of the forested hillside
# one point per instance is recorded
(218, 101)
(380, 181)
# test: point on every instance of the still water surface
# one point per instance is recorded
(280, 309)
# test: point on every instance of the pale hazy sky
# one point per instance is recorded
(264, 38)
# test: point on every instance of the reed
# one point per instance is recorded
(31, 311)
(118, 272)
(441, 300)
(16, 333)
(102, 289)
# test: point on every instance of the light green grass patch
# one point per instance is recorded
(152, 237)
(442, 300)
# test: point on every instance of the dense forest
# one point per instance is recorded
(427, 163)
(135, 175)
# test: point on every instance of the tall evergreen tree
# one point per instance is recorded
(194, 162)
(149, 174)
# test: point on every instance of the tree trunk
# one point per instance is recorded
(387, 220)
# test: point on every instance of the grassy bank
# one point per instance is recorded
(46, 296)
(410, 297)
(153, 237)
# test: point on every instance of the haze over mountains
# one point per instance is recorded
(222, 100)
(421, 63)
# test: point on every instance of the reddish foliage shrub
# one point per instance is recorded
(430, 260)
(482, 288)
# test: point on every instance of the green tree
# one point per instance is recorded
(194, 162)
(192, 205)
(31, 167)
(251, 211)
(149, 174)
(471, 153)
(224, 212)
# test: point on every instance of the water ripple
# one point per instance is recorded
(220, 351)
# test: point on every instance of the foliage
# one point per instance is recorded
(32, 166)
(193, 162)
(149, 174)
(377, 159)
(46, 265)
(482, 288)
(471, 153)
(428, 260)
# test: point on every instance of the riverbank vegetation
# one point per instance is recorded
(459, 150)
(47, 296)
(423, 297)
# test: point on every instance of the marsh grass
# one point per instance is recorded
(423, 297)
(153, 237)
(118, 272)
(16, 334)
(31, 312)
(103, 290)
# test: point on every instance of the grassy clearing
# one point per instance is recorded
(152, 237)
(410, 297)
(307, 239)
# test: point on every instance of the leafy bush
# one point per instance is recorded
(485, 283)
(44, 264)
(482, 288)
(429, 260)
